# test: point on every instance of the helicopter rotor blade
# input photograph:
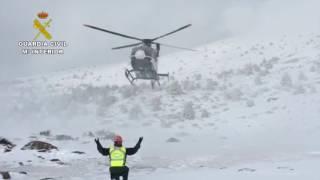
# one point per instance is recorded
(126, 46)
(111, 32)
(167, 45)
(183, 27)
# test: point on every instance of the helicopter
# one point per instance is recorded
(144, 57)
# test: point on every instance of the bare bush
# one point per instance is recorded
(250, 103)
(249, 69)
(197, 77)
(302, 77)
(205, 113)
(189, 85)
(123, 108)
(286, 80)
(135, 112)
(156, 103)
(225, 74)
(299, 90)
(233, 94)
(257, 80)
(128, 91)
(188, 111)
(175, 88)
(211, 84)
(107, 101)
(268, 64)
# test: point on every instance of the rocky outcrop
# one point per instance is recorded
(5, 175)
(40, 146)
(58, 161)
(6, 144)
(45, 133)
(173, 140)
(78, 152)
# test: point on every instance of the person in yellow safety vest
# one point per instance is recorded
(118, 156)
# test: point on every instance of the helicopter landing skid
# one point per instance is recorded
(133, 75)
(129, 76)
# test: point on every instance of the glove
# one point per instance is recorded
(140, 140)
(97, 140)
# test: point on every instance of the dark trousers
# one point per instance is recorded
(117, 172)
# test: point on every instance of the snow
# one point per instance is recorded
(245, 108)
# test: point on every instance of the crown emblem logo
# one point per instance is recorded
(41, 25)
(43, 15)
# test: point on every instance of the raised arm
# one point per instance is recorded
(133, 150)
(102, 150)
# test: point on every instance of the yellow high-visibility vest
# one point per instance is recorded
(117, 156)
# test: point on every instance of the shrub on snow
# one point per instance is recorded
(175, 88)
(286, 80)
(128, 91)
(250, 103)
(189, 85)
(233, 94)
(156, 103)
(205, 114)
(123, 108)
(211, 84)
(135, 112)
(299, 90)
(188, 111)
(257, 80)
(302, 77)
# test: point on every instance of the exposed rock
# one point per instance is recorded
(7, 144)
(78, 152)
(5, 175)
(61, 163)
(58, 161)
(173, 140)
(40, 157)
(55, 160)
(39, 145)
(45, 133)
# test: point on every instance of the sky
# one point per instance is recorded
(211, 20)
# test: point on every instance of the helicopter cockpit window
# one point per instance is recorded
(139, 54)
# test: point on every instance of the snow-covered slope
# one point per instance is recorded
(238, 108)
